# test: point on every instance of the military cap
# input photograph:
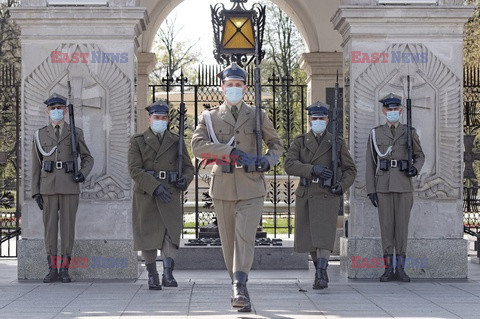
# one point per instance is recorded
(391, 100)
(233, 72)
(318, 109)
(56, 99)
(160, 107)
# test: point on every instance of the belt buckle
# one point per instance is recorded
(162, 175)
(393, 163)
(58, 165)
(315, 180)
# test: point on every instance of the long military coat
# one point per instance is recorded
(316, 208)
(151, 218)
(238, 185)
(392, 180)
(58, 181)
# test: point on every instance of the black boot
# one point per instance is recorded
(167, 276)
(389, 274)
(400, 274)
(321, 277)
(240, 297)
(153, 280)
(64, 276)
(53, 265)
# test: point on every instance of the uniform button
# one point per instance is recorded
(310, 196)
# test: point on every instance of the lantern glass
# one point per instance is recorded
(238, 33)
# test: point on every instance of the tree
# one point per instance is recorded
(9, 58)
(9, 35)
(172, 54)
(471, 48)
(283, 46)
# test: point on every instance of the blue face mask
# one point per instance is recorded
(56, 115)
(234, 95)
(159, 126)
(393, 116)
(318, 126)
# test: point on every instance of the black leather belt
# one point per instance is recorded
(308, 181)
(159, 174)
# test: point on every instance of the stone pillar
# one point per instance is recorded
(321, 69)
(94, 48)
(145, 63)
(382, 45)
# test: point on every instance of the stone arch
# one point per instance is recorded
(293, 8)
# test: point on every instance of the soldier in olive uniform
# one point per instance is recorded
(389, 185)
(238, 184)
(55, 188)
(317, 200)
(156, 208)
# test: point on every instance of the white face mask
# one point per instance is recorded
(318, 126)
(56, 115)
(393, 116)
(234, 94)
(159, 126)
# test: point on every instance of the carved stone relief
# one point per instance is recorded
(102, 100)
(436, 115)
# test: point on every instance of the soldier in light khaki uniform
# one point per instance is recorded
(54, 186)
(316, 205)
(389, 184)
(238, 184)
(157, 215)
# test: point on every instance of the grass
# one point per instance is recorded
(267, 223)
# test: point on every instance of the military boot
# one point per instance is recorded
(64, 276)
(167, 276)
(400, 274)
(389, 274)
(240, 297)
(321, 277)
(52, 275)
(248, 306)
(153, 280)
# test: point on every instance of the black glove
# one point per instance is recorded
(162, 193)
(242, 158)
(262, 164)
(321, 171)
(412, 171)
(373, 198)
(181, 183)
(79, 178)
(336, 189)
(39, 199)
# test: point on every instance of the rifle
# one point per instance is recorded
(181, 120)
(333, 181)
(73, 132)
(409, 125)
(258, 97)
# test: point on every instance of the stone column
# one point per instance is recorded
(321, 69)
(94, 48)
(145, 64)
(382, 45)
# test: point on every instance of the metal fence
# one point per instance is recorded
(471, 199)
(10, 215)
(283, 99)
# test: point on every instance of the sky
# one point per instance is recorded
(199, 11)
